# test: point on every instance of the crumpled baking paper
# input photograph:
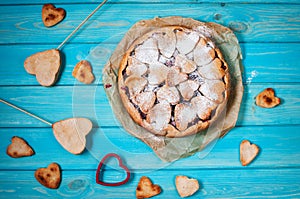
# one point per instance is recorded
(171, 149)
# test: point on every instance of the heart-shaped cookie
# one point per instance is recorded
(146, 189)
(52, 15)
(186, 186)
(49, 177)
(70, 133)
(44, 65)
(121, 165)
(83, 72)
(19, 148)
(267, 98)
(248, 152)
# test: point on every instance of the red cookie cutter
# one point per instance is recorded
(120, 164)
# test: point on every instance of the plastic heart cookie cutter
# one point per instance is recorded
(99, 169)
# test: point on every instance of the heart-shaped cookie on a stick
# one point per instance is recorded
(45, 66)
(70, 133)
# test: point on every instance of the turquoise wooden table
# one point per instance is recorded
(269, 35)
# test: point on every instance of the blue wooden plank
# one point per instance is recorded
(263, 62)
(273, 62)
(90, 101)
(71, 55)
(255, 24)
(221, 2)
(214, 184)
(284, 114)
(267, 62)
(281, 142)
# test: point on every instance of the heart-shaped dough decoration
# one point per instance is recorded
(71, 133)
(45, 66)
(248, 152)
(186, 186)
(267, 99)
(52, 15)
(50, 177)
(19, 148)
(121, 165)
(146, 189)
(83, 72)
(206, 74)
(200, 78)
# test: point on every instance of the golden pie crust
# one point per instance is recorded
(173, 81)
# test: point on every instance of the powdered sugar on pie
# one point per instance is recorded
(175, 80)
(186, 40)
(169, 94)
(186, 64)
(166, 42)
(188, 88)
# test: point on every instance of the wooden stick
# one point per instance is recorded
(26, 112)
(81, 24)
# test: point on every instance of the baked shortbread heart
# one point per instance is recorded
(19, 148)
(45, 66)
(83, 72)
(248, 152)
(52, 15)
(71, 133)
(267, 98)
(173, 81)
(50, 177)
(146, 189)
(186, 186)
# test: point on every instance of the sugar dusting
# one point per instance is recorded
(204, 30)
(254, 74)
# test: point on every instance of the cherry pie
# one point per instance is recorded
(173, 81)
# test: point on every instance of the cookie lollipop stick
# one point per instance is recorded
(70, 133)
(46, 65)
(81, 24)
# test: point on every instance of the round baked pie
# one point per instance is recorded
(173, 81)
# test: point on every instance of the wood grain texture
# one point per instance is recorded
(269, 23)
(63, 102)
(263, 62)
(214, 184)
(221, 2)
(222, 154)
(269, 35)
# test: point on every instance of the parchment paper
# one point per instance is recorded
(171, 149)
